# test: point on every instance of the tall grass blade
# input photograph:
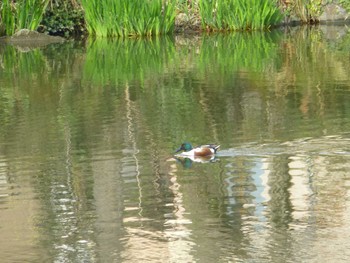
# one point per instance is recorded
(17, 15)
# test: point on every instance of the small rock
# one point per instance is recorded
(25, 40)
(25, 32)
(34, 36)
(334, 12)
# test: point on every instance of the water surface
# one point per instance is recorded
(88, 131)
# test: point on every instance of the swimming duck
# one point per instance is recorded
(201, 150)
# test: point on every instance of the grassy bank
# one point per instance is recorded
(120, 18)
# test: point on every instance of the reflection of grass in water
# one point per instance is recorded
(121, 61)
(310, 61)
(24, 63)
(253, 52)
(18, 71)
(35, 77)
(126, 60)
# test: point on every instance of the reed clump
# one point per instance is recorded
(233, 15)
(109, 18)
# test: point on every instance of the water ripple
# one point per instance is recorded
(327, 145)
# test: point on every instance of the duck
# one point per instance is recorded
(201, 150)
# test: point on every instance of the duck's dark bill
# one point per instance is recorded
(179, 149)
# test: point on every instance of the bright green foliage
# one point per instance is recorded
(108, 18)
(17, 15)
(219, 15)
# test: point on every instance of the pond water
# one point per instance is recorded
(88, 132)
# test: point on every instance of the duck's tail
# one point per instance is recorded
(216, 147)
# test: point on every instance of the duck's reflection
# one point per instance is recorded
(189, 160)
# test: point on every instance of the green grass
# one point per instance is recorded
(109, 18)
(232, 15)
(21, 14)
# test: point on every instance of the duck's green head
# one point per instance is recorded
(185, 147)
